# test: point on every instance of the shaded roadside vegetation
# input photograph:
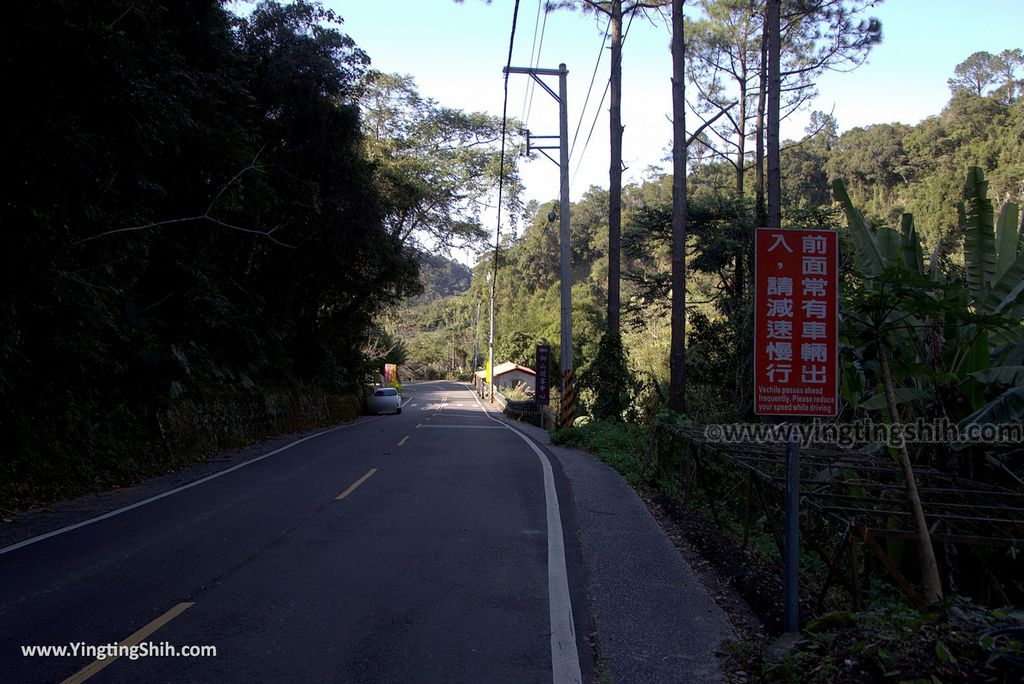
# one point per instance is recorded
(888, 639)
(931, 329)
(190, 221)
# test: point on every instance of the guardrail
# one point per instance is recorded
(527, 411)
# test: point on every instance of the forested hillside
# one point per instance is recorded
(889, 169)
(205, 216)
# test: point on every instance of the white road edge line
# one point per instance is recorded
(139, 504)
(465, 427)
(565, 659)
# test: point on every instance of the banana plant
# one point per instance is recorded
(994, 264)
(993, 255)
(979, 345)
(902, 305)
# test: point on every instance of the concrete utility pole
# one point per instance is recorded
(476, 341)
(568, 405)
(490, 341)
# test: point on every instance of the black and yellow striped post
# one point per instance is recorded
(568, 406)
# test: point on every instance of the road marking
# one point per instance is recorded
(413, 404)
(419, 425)
(355, 484)
(97, 665)
(565, 659)
(403, 440)
(467, 427)
(190, 485)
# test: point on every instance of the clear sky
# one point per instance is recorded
(456, 53)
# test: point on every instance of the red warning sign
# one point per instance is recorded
(796, 322)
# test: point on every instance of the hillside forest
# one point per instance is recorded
(888, 170)
(206, 215)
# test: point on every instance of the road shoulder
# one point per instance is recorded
(654, 620)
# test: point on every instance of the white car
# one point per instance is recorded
(385, 400)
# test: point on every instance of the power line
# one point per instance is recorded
(532, 86)
(504, 122)
(501, 185)
(593, 125)
(597, 115)
(590, 89)
(533, 50)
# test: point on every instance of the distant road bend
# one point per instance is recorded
(427, 546)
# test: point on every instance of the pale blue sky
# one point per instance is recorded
(456, 53)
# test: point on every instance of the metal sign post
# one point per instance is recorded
(796, 355)
(791, 570)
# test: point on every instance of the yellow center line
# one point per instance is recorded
(403, 440)
(97, 665)
(355, 484)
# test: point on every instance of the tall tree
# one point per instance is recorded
(438, 165)
(728, 64)
(615, 10)
(724, 57)
(774, 93)
(727, 51)
(1006, 64)
(192, 212)
(817, 36)
(677, 348)
(974, 74)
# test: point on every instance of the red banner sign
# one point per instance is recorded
(796, 323)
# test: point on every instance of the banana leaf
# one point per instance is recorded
(891, 246)
(977, 217)
(1011, 353)
(1006, 293)
(913, 257)
(867, 254)
(1000, 375)
(903, 395)
(1006, 238)
(1006, 408)
(976, 360)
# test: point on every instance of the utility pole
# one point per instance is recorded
(568, 405)
(490, 338)
(476, 340)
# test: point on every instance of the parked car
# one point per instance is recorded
(385, 400)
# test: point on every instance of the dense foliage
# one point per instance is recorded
(187, 208)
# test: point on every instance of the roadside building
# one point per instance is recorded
(506, 376)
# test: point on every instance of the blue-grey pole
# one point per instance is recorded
(791, 577)
(563, 227)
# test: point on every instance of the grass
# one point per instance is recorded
(623, 446)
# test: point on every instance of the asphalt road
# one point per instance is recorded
(423, 547)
